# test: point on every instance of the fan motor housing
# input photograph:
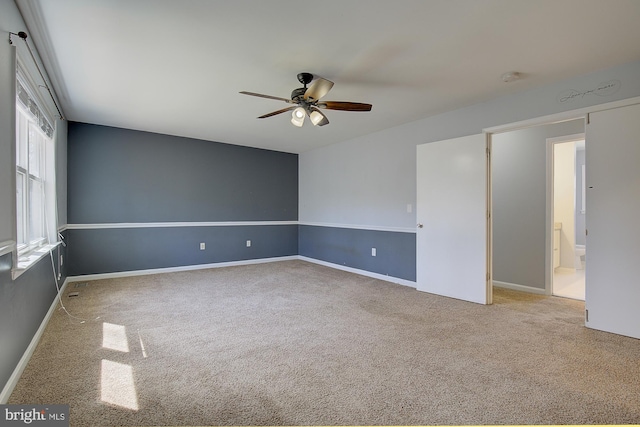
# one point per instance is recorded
(298, 94)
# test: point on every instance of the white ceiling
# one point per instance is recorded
(176, 66)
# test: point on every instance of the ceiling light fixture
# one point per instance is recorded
(316, 117)
(307, 102)
(297, 116)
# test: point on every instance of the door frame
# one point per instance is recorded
(489, 205)
(550, 214)
(580, 113)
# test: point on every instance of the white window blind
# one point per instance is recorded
(35, 172)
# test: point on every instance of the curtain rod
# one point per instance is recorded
(23, 36)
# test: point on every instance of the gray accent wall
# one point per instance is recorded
(395, 251)
(24, 303)
(120, 176)
(519, 173)
(61, 171)
(96, 251)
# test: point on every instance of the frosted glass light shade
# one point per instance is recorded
(315, 117)
(297, 116)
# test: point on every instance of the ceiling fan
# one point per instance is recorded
(307, 101)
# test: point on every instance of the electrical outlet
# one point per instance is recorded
(202, 246)
(248, 243)
(409, 208)
(373, 251)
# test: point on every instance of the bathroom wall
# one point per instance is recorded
(564, 190)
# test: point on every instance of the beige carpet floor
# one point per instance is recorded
(294, 343)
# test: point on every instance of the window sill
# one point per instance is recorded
(25, 262)
(7, 247)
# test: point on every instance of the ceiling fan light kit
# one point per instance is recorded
(307, 103)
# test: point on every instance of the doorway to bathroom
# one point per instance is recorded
(520, 228)
(568, 212)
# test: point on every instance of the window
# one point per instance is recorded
(35, 183)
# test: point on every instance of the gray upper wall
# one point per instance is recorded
(61, 171)
(369, 181)
(126, 176)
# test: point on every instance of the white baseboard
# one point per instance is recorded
(520, 288)
(17, 372)
(118, 274)
(360, 272)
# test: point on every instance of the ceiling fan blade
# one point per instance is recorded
(266, 96)
(314, 119)
(318, 89)
(284, 110)
(345, 106)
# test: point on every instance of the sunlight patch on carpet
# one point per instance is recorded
(114, 337)
(117, 386)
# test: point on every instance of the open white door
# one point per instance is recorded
(452, 234)
(612, 268)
